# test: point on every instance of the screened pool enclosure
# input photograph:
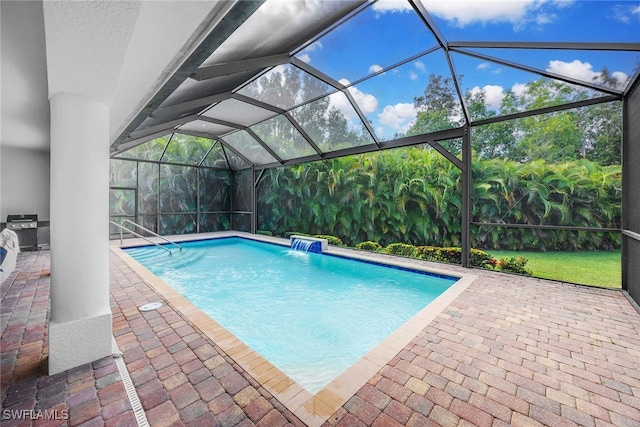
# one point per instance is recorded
(497, 126)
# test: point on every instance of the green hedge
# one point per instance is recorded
(514, 265)
(453, 255)
(402, 249)
(413, 196)
(369, 246)
(332, 240)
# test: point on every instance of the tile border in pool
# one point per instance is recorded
(312, 409)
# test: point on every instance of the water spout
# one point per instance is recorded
(308, 244)
(302, 245)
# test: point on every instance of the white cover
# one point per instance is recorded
(9, 241)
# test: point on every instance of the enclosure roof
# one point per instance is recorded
(284, 81)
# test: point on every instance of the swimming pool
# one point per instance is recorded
(311, 315)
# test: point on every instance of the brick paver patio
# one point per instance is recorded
(509, 350)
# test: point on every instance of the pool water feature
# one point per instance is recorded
(308, 244)
(310, 315)
(304, 245)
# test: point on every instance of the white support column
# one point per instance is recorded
(80, 328)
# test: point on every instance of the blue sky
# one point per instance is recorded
(389, 31)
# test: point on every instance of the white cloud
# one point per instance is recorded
(314, 46)
(563, 3)
(545, 18)
(519, 88)
(421, 66)
(375, 68)
(625, 13)
(519, 13)
(367, 102)
(584, 71)
(397, 116)
(576, 69)
(305, 58)
(392, 6)
(486, 66)
(493, 95)
(339, 101)
(413, 76)
(464, 12)
(621, 77)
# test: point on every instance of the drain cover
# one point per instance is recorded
(150, 306)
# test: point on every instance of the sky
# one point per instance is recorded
(389, 31)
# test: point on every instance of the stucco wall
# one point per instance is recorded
(24, 185)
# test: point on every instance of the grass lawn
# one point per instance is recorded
(598, 268)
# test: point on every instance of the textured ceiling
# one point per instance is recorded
(86, 44)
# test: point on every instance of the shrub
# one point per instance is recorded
(429, 253)
(369, 246)
(264, 232)
(332, 240)
(513, 265)
(453, 255)
(450, 255)
(401, 249)
(482, 259)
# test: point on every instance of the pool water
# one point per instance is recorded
(311, 315)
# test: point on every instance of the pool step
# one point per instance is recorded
(154, 255)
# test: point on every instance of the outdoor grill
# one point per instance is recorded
(26, 227)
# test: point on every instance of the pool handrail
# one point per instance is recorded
(153, 233)
(122, 227)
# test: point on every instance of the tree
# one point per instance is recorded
(602, 128)
(593, 132)
(491, 140)
(323, 122)
(438, 95)
(552, 137)
(438, 109)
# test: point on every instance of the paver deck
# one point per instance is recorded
(509, 350)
